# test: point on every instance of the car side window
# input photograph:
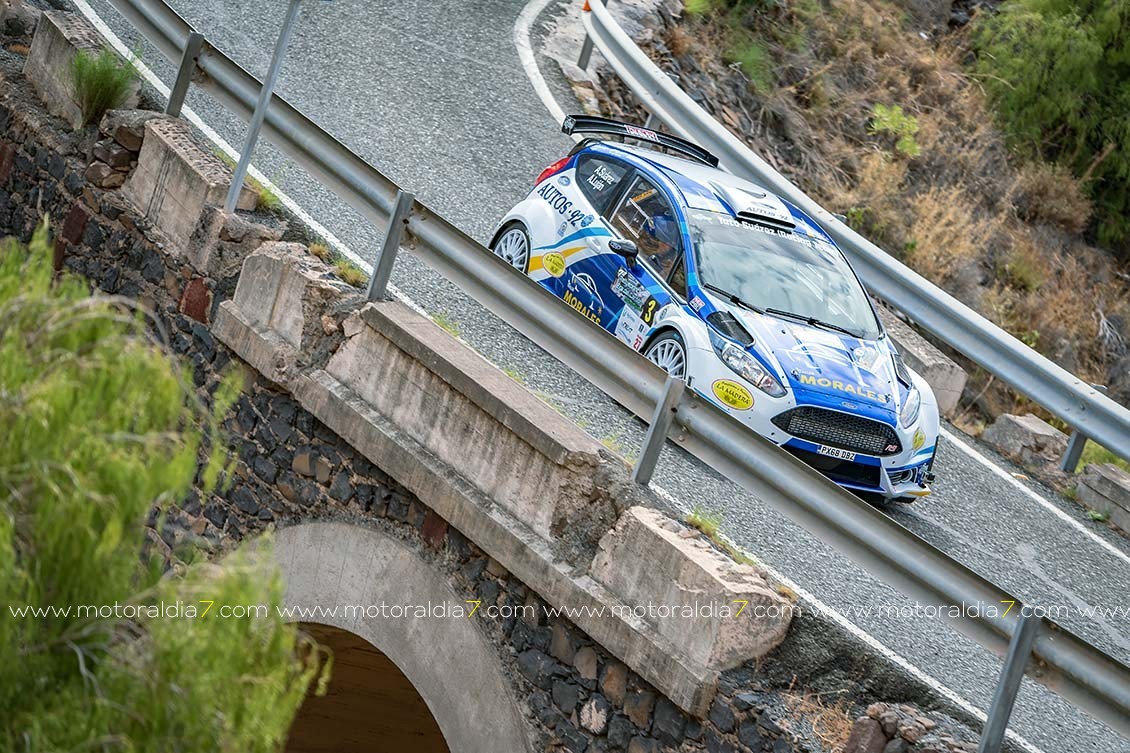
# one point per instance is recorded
(599, 178)
(645, 217)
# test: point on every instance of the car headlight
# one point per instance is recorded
(747, 367)
(910, 408)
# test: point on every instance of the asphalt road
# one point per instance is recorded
(434, 95)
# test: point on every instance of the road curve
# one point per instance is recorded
(433, 93)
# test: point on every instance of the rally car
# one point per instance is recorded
(733, 289)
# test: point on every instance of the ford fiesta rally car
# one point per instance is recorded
(733, 289)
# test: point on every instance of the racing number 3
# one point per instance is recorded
(648, 311)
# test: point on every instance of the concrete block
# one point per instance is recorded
(286, 291)
(1106, 487)
(1028, 440)
(526, 456)
(176, 178)
(945, 377)
(58, 38)
(691, 591)
(220, 243)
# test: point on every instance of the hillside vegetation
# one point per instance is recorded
(888, 119)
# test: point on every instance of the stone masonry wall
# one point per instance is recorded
(290, 467)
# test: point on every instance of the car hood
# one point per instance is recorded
(826, 368)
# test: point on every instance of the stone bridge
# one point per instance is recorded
(486, 574)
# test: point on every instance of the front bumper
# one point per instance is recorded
(905, 474)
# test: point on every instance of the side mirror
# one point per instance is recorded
(627, 249)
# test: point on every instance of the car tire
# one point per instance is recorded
(513, 246)
(668, 353)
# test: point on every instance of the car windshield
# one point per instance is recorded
(780, 270)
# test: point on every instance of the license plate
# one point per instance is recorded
(836, 452)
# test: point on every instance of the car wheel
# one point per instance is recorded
(668, 353)
(513, 247)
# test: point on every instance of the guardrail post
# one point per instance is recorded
(657, 430)
(1075, 445)
(260, 113)
(382, 270)
(184, 73)
(586, 53)
(1019, 650)
(1074, 451)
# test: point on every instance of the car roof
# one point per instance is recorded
(714, 190)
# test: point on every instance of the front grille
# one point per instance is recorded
(843, 430)
(840, 471)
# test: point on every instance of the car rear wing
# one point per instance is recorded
(592, 124)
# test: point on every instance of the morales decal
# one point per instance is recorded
(579, 305)
(697, 304)
(836, 384)
(732, 394)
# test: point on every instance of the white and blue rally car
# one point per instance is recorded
(733, 289)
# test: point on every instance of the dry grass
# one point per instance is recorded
(710, 524)
(321, 250)
(943, 236)
(831, 722)
(1049, 194)
(350, 273)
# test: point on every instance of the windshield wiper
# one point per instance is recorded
(812, 321)
(732, 298)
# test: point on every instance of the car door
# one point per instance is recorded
(645, 216)
(585, 284)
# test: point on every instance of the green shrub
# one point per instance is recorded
(749, 53)
(102, 82)
(445, 320)
(1058, 72)
(892, 120)
(1094, 453)
(101, 429)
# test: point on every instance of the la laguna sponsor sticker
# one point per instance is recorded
(554, 263)
(732, 394)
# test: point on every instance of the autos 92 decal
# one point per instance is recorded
(563, 205)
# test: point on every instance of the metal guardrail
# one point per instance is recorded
(1070, 398)
(1077, 670)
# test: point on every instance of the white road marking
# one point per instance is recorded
(522, 26)
(1038, 498)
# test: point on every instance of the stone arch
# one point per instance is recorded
(448, 661)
